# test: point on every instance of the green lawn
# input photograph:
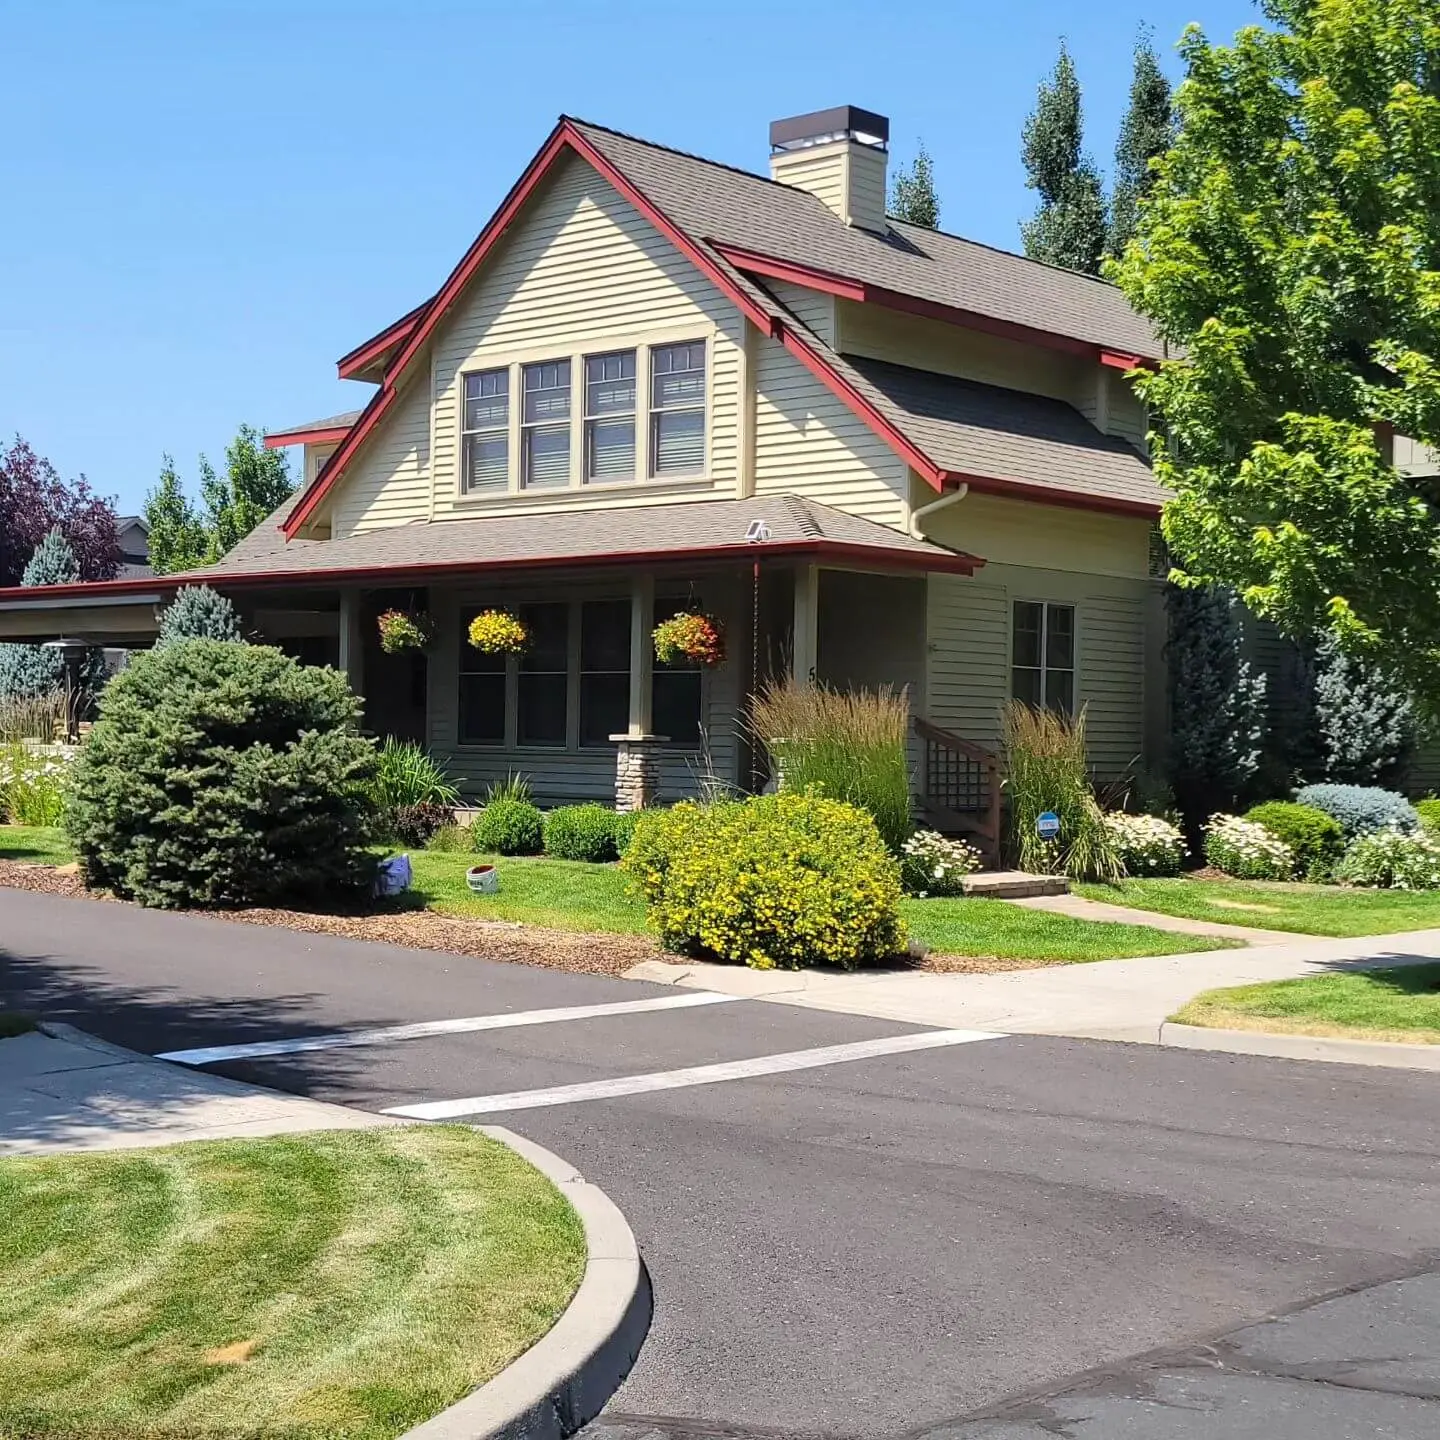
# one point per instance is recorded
(1399, 1004)
(349, 1283)
(35, 845)
(1273, 905)
(571, 895)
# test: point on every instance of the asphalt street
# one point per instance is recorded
(860, 1228)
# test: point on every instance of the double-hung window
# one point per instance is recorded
(677, 409)
(485, 432)
(545, 424)
(543, 682)
(610, 416)
(1042, 655)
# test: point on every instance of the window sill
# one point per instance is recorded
(553, 495)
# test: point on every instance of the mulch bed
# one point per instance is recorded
(579, 952)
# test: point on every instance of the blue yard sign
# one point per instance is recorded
(1048, 824)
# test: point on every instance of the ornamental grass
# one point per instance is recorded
(846, 744)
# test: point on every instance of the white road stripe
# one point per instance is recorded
(697, 1075)
(342, 1039)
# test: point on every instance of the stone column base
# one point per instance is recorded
(637, 770)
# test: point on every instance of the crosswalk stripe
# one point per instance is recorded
(343, 1039)
(695, 1075)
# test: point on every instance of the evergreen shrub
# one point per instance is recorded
(1361, 808)
(224, 774)
(1315, 838)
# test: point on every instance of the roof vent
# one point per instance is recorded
(839, 156)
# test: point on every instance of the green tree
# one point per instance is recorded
(198, 613)
(1291, 245)
(1146, 133)
(1217, 704)
(1069, 227)
(184, 534)
(912, 195)
(30, 670)
(1366, 729)
(177, 536)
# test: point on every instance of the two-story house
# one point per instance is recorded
(878, 454)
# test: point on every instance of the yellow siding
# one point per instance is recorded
(1127, 417)
(388, 483)
(1051, 537)
(820, 171)
(968, 675)
(814, 307)
(950, 350)
(865, 200)
(582, 269)
(808, 442)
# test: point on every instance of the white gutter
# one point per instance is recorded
(943, 503)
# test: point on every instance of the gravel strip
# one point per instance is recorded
(576, 951)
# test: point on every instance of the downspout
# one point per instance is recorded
(944, 502)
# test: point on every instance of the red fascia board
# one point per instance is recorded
(564, 136)
(1048, 495)
(818, 549)
(279, 439)
(863, 291)
(364, 355)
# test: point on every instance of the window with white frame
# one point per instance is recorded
(610, 416)
(677, 409)
(1042, 655)
(545, 424)
(485, 432)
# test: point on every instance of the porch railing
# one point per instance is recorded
(960, 788)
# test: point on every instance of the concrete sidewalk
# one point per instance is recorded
(1103, 1000)
(69, 1091)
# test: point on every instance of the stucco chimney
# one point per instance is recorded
(839, 156)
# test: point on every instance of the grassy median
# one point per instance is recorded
(1401, 1004)
(346, 1284)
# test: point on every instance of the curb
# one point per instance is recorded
(1301, 1047)
(564, 1380)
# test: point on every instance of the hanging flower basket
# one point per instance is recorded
(402, 630)
(688, 638)
(497, 632)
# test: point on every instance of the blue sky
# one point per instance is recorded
(206, 204)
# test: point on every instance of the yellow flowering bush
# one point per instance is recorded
(775, 881)
(497, 632)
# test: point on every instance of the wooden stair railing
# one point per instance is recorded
(961, 787)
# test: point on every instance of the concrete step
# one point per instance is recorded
(1013, 884)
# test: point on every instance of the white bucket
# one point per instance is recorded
(483, 879)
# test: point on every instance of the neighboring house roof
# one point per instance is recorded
(634, 168)
(312, 432)
(134, 536)
(703, 529)
(1039, 443)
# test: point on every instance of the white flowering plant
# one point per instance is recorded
(32, 783)
(931, 864)
(1246, 850)
(1392, 860)
(1146, 844)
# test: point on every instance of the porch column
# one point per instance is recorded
(352, 641)
(805, 643)
(637, 752)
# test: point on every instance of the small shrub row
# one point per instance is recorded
(1315, 838)
(1247, 850)
(588, 832)
(779, 880)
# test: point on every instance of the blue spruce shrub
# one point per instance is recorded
(199, 613)
(1366, 728)
(1361, 809)
(30, 670)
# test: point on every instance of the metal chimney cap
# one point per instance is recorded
(821, 127)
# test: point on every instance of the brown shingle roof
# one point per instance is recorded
(330, 422)
(1008, 435)
(734, 207)
(650, 532)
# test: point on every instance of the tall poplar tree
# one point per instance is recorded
(912, 193)
(1069, 227)
(1146, 133)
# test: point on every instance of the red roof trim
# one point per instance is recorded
(831, 283)
(1118, 360)
(562, 137)
(279, 439)
(364, 355)
(1048, 495)
(949, 562)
